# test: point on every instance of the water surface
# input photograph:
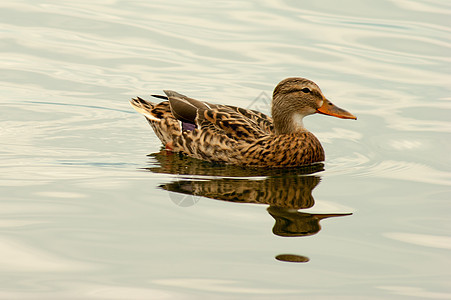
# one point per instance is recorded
(91, 209)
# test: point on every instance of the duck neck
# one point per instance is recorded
(288, 122)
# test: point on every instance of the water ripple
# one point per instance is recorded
(79, 218)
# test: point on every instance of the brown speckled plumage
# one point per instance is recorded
(241, 136)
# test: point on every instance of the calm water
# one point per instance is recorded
(87, 213)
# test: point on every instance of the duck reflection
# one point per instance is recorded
(284, 190)
(291, 222)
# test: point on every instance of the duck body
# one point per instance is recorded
(238, 136)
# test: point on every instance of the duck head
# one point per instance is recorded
(294, 98)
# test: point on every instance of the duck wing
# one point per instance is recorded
(235, 122)
(263, 121)
(222, 119)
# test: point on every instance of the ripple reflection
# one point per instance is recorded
(284, 190)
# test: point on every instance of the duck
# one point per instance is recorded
(221, 133)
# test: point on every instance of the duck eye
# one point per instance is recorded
(306, 90)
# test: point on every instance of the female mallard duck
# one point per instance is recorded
(234, 135)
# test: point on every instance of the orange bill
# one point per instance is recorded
(328, 108)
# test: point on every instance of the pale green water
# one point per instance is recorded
(81, 217)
